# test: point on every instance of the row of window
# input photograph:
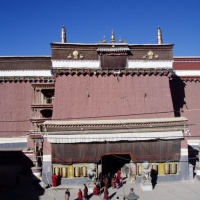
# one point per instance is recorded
(70, 171)
(160, 168)
(82, 171)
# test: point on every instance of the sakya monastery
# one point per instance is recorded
(91, 109)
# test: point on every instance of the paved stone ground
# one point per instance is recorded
(183, 190)
(187, 190)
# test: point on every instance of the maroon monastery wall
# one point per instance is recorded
(191, 109)
(106, 97)
(15, 100)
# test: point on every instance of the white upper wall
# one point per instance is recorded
(95, 64)
(32, 73)
(76, 64)
(161, 64)
(187, 72)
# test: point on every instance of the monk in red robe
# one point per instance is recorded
(59, 179)
(118, 174)
(80, 195)
(54, 180)
(96, 189)
(105, 193)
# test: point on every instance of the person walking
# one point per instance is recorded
(54, 180)
(85, 192)
(67, 194)
(96, 189)
(80, 195)
(105, 193)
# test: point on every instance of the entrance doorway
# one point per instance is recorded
(114, 162)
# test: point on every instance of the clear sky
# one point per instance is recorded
(27, 27)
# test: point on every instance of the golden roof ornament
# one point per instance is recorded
(63, 35)
(150, 55)
(75, 55)
(113, 37)
(159, 36)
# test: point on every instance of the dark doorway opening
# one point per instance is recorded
(114, 162)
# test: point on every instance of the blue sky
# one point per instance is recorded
(29, 26)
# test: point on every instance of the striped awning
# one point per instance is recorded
(113, 137)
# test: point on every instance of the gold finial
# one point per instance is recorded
(159, 36)
(113, 37)
(63, 35)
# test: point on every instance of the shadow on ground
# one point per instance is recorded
(25, 189)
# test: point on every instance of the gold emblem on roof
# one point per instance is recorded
(150, 55)
(75, 55)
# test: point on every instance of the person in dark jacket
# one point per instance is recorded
(67, 194)
(85, 192)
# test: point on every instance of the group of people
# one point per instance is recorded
(117, 180)
(96, 191)
(83, 195)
